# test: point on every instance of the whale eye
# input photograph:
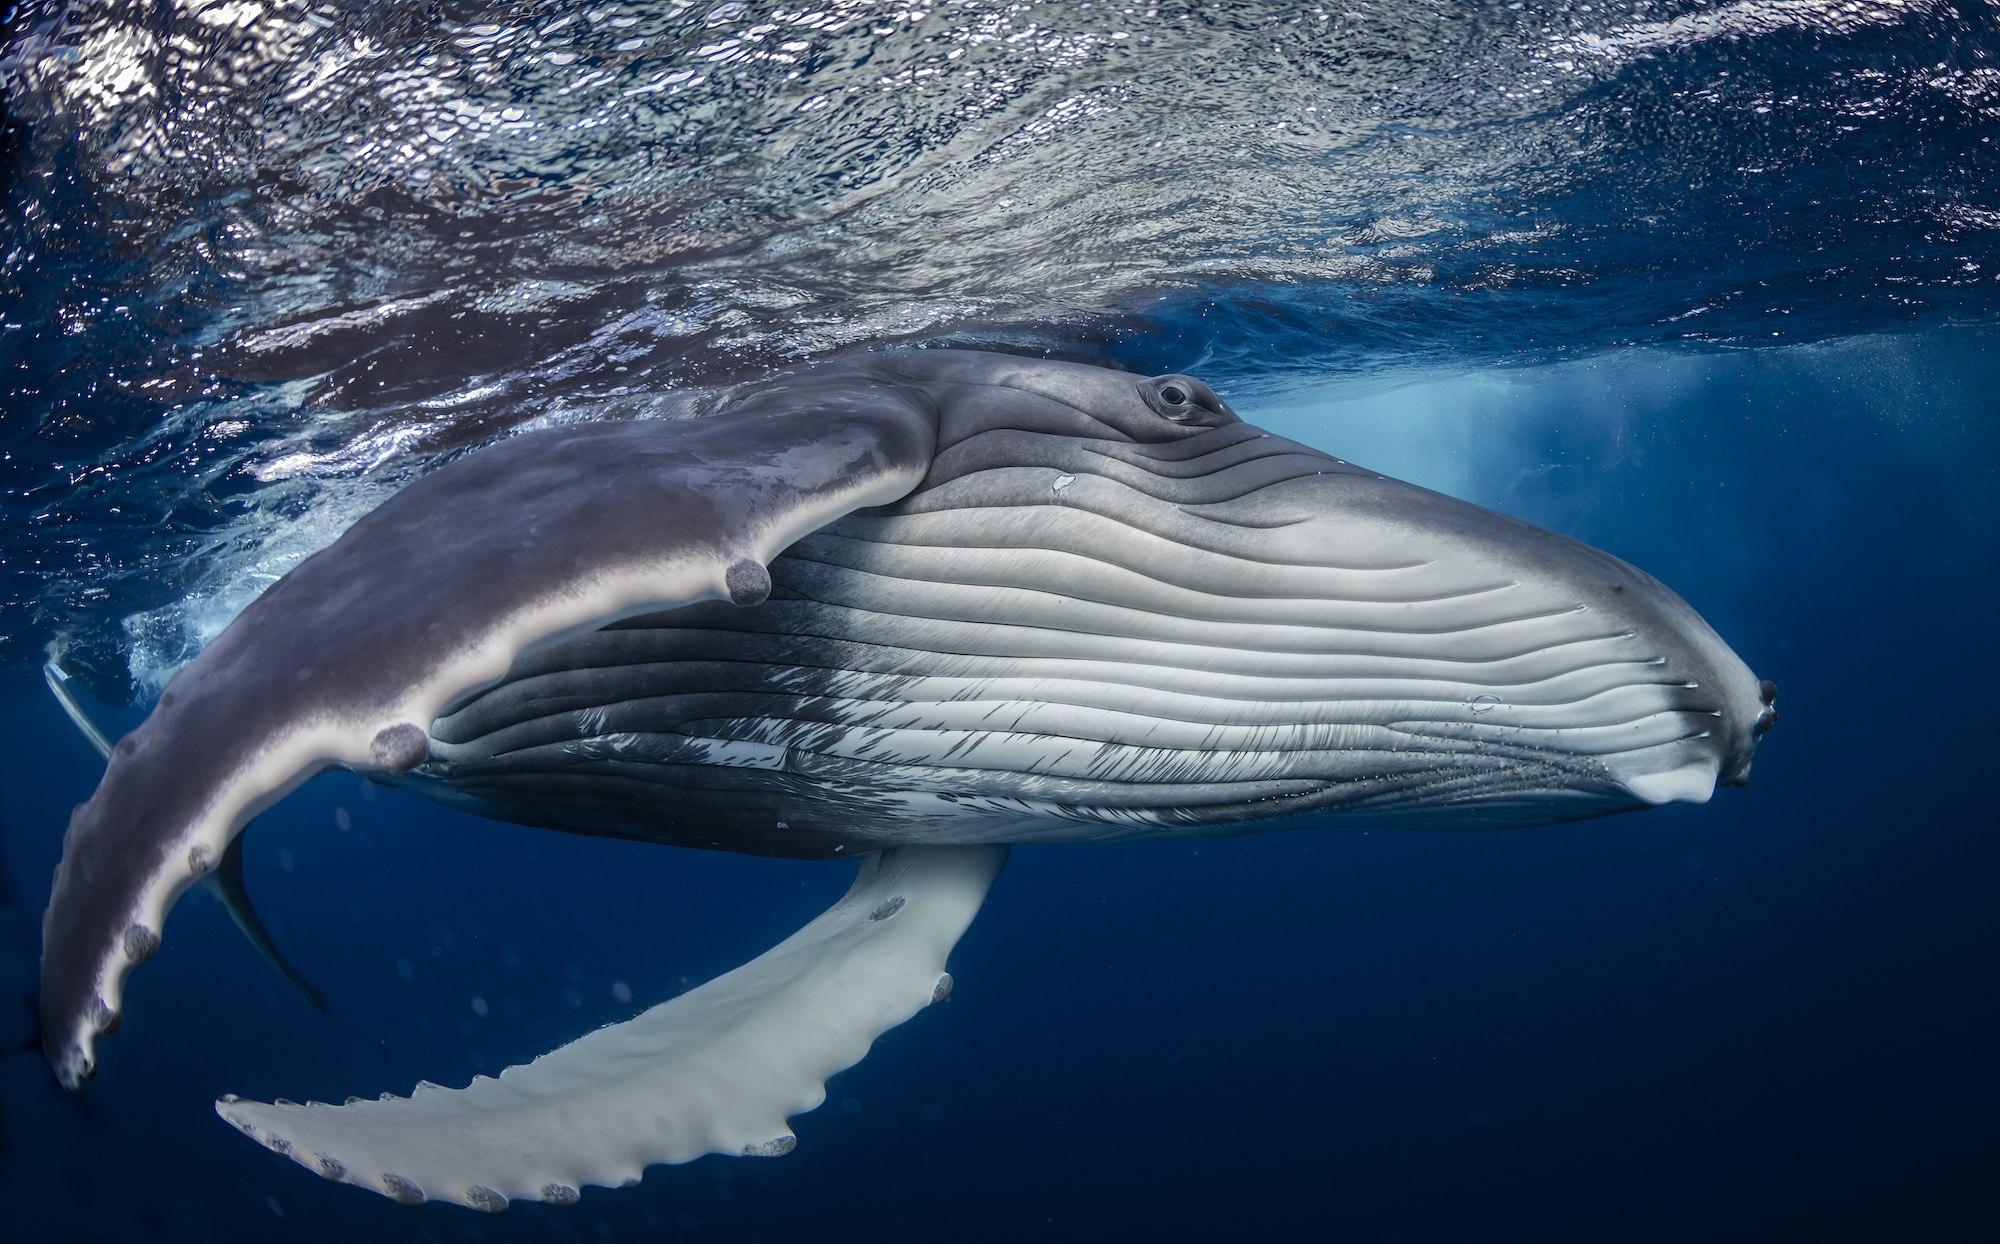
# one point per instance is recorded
(1184, 399)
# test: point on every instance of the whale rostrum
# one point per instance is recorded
(910, 607)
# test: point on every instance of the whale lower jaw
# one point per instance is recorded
(1216, 643)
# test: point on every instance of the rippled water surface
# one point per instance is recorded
(1712, 285)
(263, 261)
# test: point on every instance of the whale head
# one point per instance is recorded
(1112, 608)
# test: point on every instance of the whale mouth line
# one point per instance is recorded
(1092, 562)
(891, 540)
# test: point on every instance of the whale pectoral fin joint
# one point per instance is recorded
(717, 1070)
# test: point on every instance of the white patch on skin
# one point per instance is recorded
(1691, 783)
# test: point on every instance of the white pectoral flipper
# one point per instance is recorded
(717, 1070)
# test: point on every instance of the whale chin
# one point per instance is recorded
(1691, 783)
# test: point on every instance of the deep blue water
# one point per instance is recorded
(1754, 352)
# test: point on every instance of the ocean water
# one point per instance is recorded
(1712, 286)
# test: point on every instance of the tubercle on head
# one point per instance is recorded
(1738, 772)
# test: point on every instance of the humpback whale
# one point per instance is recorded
(909, 606)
